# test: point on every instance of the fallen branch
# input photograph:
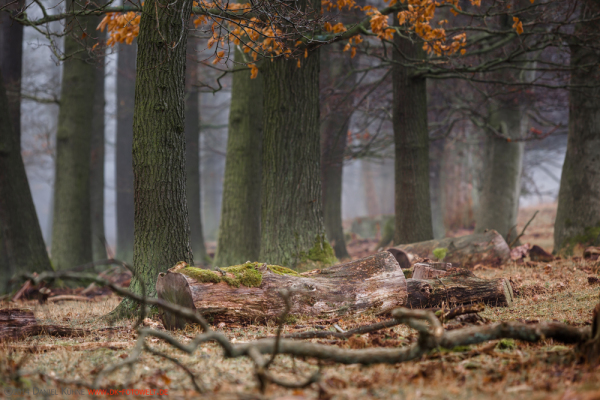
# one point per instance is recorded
(42, 348)
(511, 245)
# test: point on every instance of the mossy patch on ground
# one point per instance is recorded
(244, 274)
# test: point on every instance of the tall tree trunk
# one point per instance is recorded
(11, 60)
(411, 138)
(334, 128)
(97, 159)
(124, 164)
(578, 214)
(292, 230)
(192, 156)
(499, 202)
(22, 246)
(71, 229)
(239, 230)
(436, 182)
(162, 227)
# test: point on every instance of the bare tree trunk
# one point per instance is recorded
(239, 228)
(71, 229)
(192, 159)
(124, 163)
(334, 128)
(97, 159)
(578, 214)
(411, 138)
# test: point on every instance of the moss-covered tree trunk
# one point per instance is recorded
(97, 159)
(292, 230)
(124, 163)
(71, 227)
(499, 201)
(337, 84)
(162, 227)
(239, 230)
(11, 61)
(192, 146)
(22, 246)
(578, 214)
(411, 139)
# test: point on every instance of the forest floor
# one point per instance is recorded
(557, 291)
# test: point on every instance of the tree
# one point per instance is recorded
(22, 246)
(338, 84)
(71, 228)
(411, 140)
(292, 230)
(578, 213)
(192, 147)
(97, 159)
(124, 164)
(239, 229)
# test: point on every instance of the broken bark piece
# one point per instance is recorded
(536, 253)
(458, 289)
(427, 271)
(251, 291)
(488, 248)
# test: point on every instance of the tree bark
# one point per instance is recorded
(192, 147)
(97, 158)
(374, 283)
(487, 248)
(11, 61)
(411, 138)
(22, 246)
(578, 213)
(124, 164)
(292, 230)
(71, 228)
(239, 230)
(161, 224)
(338, 81)
(458, 289)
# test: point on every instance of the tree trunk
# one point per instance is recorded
(458, 289)
(161, 224)
(487, 248)
(124, 164)
(11, 60)
(499, 203)
(292, 230)
(436, 183)
(239, 230)
(192, 159)
(578, 213)
(334, 128)
(374, 283)
(22, 246)
(411, 138)
(97, 159)
(71, 228)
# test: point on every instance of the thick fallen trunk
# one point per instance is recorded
(18, 324)
(488, 248)
(457, 289)
(251, 291)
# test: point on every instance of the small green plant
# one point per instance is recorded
(506, 344)
(440, 253)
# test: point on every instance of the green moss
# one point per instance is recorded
(506, 344)
(587, 238)
(440, 253)
(201, 275)
(246, 274)
(321, 252)
(279, 270)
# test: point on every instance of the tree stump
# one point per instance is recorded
(457, 289)
(250, 292)
(487, 248)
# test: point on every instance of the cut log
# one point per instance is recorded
(487, 248)
(458, 289)
(428, 271)
(18, 324)
(250, 291)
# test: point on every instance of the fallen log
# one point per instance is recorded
(18, 324)
(251, 291)
(457, 289)
(487, 248)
